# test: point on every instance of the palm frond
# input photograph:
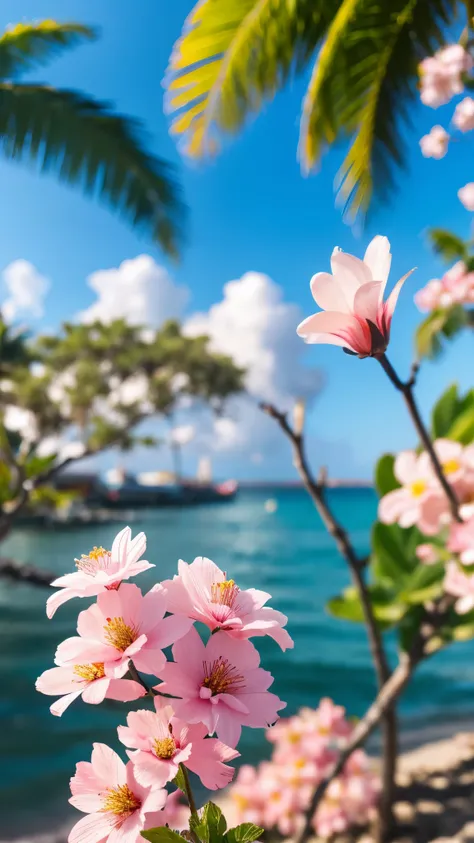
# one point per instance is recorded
(448, 245)
(362, 91)
(234, 55)
(27, 45)
(82, 141)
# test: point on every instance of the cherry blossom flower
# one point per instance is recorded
(354, 314)
(466, 196)
(461, 541)
(455, 287)
(220, 684)
(124, 625)
(441, 75)
(101, 570)
(417, 501)
(463, 117)
(435, 144)
(88, 681)
(118, 808)
(202, 591)
(460, 585)
(162, 742)
(246, 796)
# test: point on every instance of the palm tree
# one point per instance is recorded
(81, 139)
(362, 57)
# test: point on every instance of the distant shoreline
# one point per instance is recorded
(297, 484)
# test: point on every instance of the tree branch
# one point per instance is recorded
(406, 389)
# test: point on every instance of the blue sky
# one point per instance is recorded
(250, 210)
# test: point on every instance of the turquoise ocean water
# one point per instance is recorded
(286, 553)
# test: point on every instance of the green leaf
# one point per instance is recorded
(385, 480)
(346, 607)
(244, 833)
(162, 834)
(231, 57)
(211, 825)
(88, 145)
(27, 45)
(385, 606)
(445, 412)
(448, 245)
(37, 465)
(462, 429)
(392, 548)
(426, 583)
(179, 781)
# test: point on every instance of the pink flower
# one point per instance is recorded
(428, 554)
(416, 502)
(466, 196)
(460, 585)
(441, 75)
(435, 144)
(461, 540)
(463, 117)
(118, 808)
(246, 796)
(455, 287)
(88, 681)
(101, 570)
(163, 742)
(428, 298)
(124, 625)
(354, 314)
(220, 684)
(311, 731)
(203, 592)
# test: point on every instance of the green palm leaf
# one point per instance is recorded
(86, 144)
(365, 76)
(233, 56)
(29, 44)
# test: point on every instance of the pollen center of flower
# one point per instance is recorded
(119, 634)
(96, 560)
(417, 488)
(120, 800)
(224, 593)
(451, 466)
(90, 672)
(164, 747)
(221, 677)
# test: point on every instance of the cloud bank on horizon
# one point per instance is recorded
(252, 323)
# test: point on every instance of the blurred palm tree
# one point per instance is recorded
(14, 350)
(362, 57)
(81, 139)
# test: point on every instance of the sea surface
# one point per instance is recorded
(287, 553)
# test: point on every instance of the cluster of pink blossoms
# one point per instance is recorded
(422, 502)
(455, 287)
(441, 79)
(210, 688)
(420, 499)
(276, 794)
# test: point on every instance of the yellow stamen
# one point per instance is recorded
(224, 592)
(240, 800)
(294, 737)
(121, 801)
(300, 763)
(90, 672)
(164, 747)
(221, 677)
(417, 488)
(451, 466)
(96, 560)
(119, 634)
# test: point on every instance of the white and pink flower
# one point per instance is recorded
(87, 681)
(441, 75)
(466, 196)
(435, 143)
(354, 314)
(463, 117)
(162, 742)
(121, 626)
(202, 591)
(220, 684)
(101, 570)
(418, 501)
(460, 585)
(461, 541)
(117, 807)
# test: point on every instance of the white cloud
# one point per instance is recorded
(26, 291)
(139, 291)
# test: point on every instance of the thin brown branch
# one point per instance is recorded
(406, 388)
(25, 573)
(137, 678)
(315, 490)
